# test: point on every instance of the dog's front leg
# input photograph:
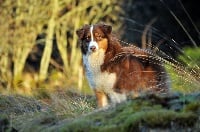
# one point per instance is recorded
(102, 100)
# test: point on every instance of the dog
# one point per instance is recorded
(114, 71)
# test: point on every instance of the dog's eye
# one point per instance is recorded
(87, 38)
(98, 37)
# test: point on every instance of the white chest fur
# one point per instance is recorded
(97, 79)
(102, 81)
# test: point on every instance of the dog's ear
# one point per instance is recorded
(107, 28)
(80, 33)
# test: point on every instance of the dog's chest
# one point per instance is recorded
(97, 79)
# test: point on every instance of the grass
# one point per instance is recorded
(41, 100)
(24, 113)
(185, 78)
(151, 112)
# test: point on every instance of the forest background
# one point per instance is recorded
(39, 51)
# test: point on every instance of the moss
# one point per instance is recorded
(186, 119)
(149, 113)
(78, 125)
(193, 106)
(4, 122)
(18, 104)
(130, 120)
(133, 116)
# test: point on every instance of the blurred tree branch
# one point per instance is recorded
(23, 21)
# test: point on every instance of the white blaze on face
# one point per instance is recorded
(98, 80)
(93, 46)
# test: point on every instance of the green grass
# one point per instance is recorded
(77, 113)
(185, 77)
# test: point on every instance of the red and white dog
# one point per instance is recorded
(114, 71)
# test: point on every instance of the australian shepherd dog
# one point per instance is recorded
(113, 71)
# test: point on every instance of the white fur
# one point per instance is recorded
(91, 32)
(98, 80)
(92, 42)
(103, 81)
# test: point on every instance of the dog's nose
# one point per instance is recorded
(93, 48)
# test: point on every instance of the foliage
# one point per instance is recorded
(191, 57)
(186, 76)
(45, 32)
(22, 22)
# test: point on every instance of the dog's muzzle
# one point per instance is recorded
(93, 46)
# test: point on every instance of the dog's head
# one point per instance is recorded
(94, 37)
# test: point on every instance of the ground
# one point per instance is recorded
(176, 112)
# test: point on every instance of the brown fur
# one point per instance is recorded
(135, 69)
(101, 97)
